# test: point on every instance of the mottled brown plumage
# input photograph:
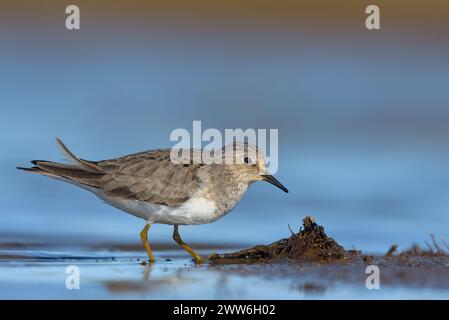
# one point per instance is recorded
(150, 177)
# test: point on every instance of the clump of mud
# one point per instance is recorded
(310, 244)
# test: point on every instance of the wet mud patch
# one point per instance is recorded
(310, 244)
(317, 264)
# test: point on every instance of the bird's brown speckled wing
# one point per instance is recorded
(149, 176)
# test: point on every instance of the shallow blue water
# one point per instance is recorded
(120, 275)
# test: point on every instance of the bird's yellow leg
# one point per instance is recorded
(144, 237)
(179, 241)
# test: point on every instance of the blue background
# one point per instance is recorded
(362, 119)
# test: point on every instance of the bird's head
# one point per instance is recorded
(247, 162)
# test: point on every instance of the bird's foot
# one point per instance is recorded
(148, 262)
(198, 260)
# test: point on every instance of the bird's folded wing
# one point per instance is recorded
(150, 177)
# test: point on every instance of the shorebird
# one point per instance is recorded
(151, 186)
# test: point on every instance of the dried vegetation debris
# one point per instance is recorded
(310, 244)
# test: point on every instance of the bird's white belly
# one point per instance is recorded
(194, 211)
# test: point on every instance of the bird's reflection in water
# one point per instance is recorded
(155, 278)
(221, 287)
(174, 277)
(147, 272)
(309, 289)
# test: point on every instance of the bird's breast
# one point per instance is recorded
(226, 197)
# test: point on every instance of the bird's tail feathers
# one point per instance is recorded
(88, 165)
(80, 171)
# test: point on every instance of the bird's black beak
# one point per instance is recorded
(269, 178)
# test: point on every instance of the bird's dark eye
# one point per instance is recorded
(248, 160)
